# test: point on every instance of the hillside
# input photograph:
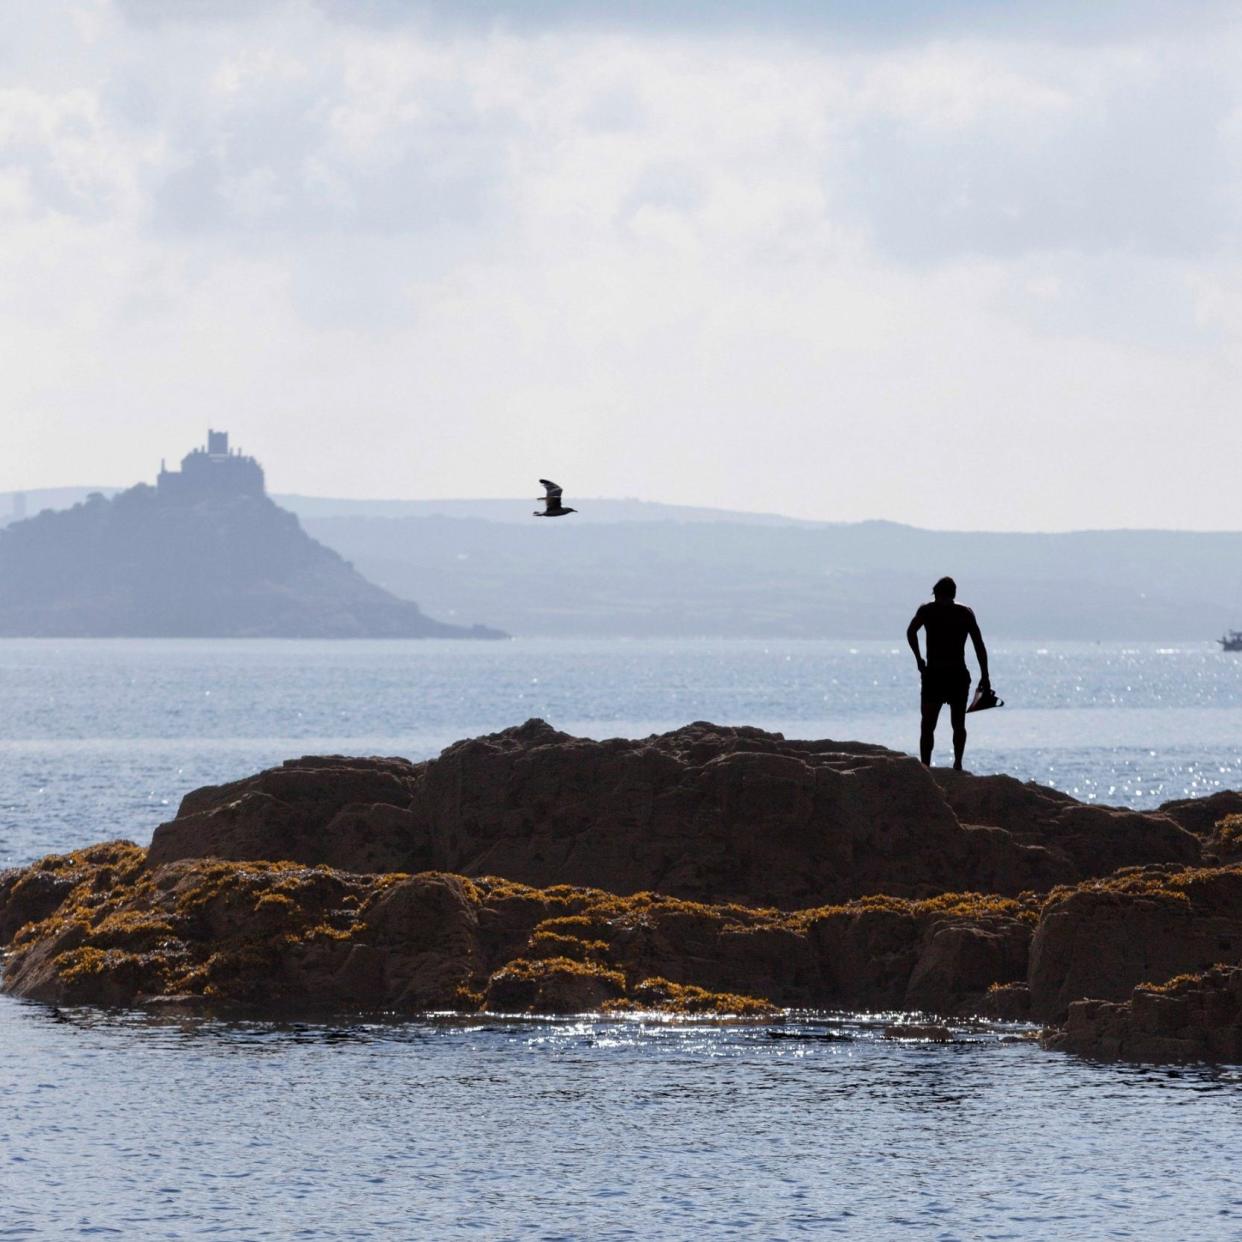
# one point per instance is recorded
(154, 563)
(632, 568)
(858, 580)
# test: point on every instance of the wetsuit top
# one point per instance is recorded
(947, 626)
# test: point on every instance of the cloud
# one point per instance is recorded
(844, 261)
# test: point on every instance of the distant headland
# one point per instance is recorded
(203, 553)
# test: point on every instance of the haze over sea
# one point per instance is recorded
(146, 1127)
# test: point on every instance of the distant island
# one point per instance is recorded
(203, 553)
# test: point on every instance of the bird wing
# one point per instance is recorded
(553, 489)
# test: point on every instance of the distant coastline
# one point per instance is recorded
(638, 569)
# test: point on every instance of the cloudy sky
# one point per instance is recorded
(969, 264)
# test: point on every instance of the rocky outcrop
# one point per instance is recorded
(348, 813)
(1102, 939)
(1096, 840)
(707, 813)
(710, 869)
(1190, 1018)
(283, 935)
(103, 925)
(1201, 815)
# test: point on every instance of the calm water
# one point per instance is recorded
(122, 1125)
(101, 739)
(119, 1126)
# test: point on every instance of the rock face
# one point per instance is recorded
(1142, 926)
(150, 563)
(1201, 815)
(1190, 1018)
(709, 869)
(707, 812)
(280, 934)
(1094, 839)
(348, 813)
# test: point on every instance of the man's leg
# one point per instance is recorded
(957, 714)
(927, 737)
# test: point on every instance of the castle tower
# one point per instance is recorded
(212, 471)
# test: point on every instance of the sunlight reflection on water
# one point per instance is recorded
(118, 1123)
(102, 738)
(591, 1129)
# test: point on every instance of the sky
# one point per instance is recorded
(969, 265)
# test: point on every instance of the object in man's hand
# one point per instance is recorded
(985, 697)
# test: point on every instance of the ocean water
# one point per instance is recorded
(121, 1124)
(117, 1125)
(101, 738)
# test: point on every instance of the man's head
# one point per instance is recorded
(945, 589)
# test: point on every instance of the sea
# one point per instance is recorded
(119, 1123)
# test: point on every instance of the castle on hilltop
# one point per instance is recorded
(212, 472)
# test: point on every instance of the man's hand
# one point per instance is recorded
(922, 665)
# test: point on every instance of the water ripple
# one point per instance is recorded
(542, 1129)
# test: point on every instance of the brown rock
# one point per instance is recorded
(1225, 842)
(707, 812)
(1102, 939)
(279, 936)
(555, 985)
(918, 1033)
(1007, 1002)
(964, 960)
(1096, 840)
(351, 813)
(707, 863)
(1193, 1017)
(1201, 815)
(28, 896)
(427, 930)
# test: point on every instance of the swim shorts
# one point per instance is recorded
(951, 686)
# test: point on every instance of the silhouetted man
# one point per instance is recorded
(946, 679)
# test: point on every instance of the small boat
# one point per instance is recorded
(1232, 641)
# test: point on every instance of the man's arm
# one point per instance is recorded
(912, 637)
(981, 652)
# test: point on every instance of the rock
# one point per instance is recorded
(425, 932)
(1190, 1018)
(918, 1033)
(280, 935)
(31, 894)
(552, 985)
(342, 812)
(961, 959)
(1102, 939)
(1224, 845)
(707, 812)
(711, 869)
(1095, 839)
(1201, 815)
(1007, 1002)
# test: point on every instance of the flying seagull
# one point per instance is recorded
(552, 501)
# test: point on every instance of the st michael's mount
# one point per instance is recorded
(205, 553)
